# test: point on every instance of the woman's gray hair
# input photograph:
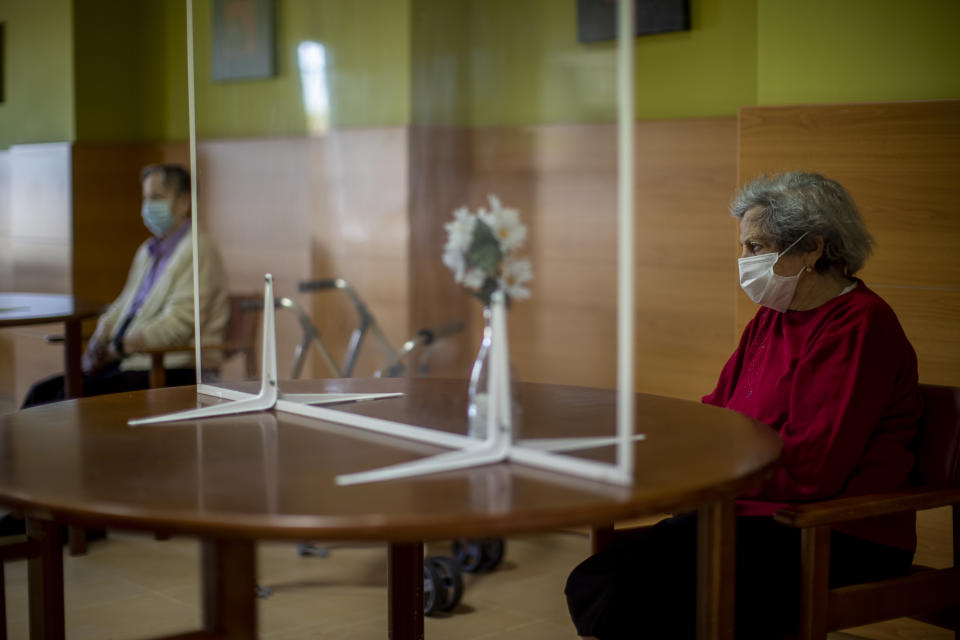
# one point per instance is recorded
(792, 204)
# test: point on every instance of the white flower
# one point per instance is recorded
(516, 273)
(474, 279)
(505, 224)
(483, 254)
(460, 231)
(456, 261)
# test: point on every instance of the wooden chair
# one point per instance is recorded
(930, 594)
(42, 539)
(240, 339)
(12, 548)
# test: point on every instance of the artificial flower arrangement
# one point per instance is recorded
(481, 251)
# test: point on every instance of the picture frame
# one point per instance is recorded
(244, 39)
(596, 19)
(2, 63)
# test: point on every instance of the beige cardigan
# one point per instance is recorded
(165, 318)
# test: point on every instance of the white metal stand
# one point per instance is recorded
(499, 445)
(269, 394)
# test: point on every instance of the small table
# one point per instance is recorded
(270, 476)
(20, 309)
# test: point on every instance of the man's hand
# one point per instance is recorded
(133, 342)
(96, 354)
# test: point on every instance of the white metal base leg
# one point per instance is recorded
(269, 394)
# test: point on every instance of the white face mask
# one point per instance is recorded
(157, 216)
(765, 287)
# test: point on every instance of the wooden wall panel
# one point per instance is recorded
(253, 201)
(35, 251)
(107, 227)
(7, 357)
(563, 180)
(359, 231)
(35, 359)
(369, 206)
(6, 215)
(901, 162)
(40, 227)
(439, 181)
(686, 268)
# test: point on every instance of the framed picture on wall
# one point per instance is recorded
(244, 39)
(596, 19)
(1, 62)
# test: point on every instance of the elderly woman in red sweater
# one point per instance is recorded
(824, 363)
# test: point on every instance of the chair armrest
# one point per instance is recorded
(59, 338)
(158, 375)
(829, 512)
(188, 348)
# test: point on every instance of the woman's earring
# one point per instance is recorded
(809, 269)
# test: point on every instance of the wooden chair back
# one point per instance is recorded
(929, 594)
(242, 330)
(240, 338)
(938, 439)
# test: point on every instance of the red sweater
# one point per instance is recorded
(839, 384)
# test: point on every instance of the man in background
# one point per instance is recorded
(155, 308)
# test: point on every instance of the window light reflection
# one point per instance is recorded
(312, 60)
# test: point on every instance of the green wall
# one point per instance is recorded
(707, 71)
(857, 50)
(368, 70)
(174, 124)
(476, 63)
(126, 54)
(440, 91)
(115, 70)
(527, 66)
(38, 72)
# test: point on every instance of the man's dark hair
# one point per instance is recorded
(174, 175)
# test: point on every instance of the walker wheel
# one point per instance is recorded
(449, 582)
(493, 549)
(478, 554)
(468, 553)
(432, 591)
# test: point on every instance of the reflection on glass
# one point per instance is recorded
(312, 61)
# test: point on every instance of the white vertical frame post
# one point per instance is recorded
(625, 250)
(192, 120)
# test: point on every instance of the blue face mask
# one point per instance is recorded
(157, 216)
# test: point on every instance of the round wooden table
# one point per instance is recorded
(21, 309)
(235, 480)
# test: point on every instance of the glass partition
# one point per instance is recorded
(334, 142)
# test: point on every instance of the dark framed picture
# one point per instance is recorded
(244, 39)
(597, 19)
(2, 62)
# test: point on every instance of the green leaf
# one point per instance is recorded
(484, 253)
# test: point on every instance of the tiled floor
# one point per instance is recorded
(132, 586)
